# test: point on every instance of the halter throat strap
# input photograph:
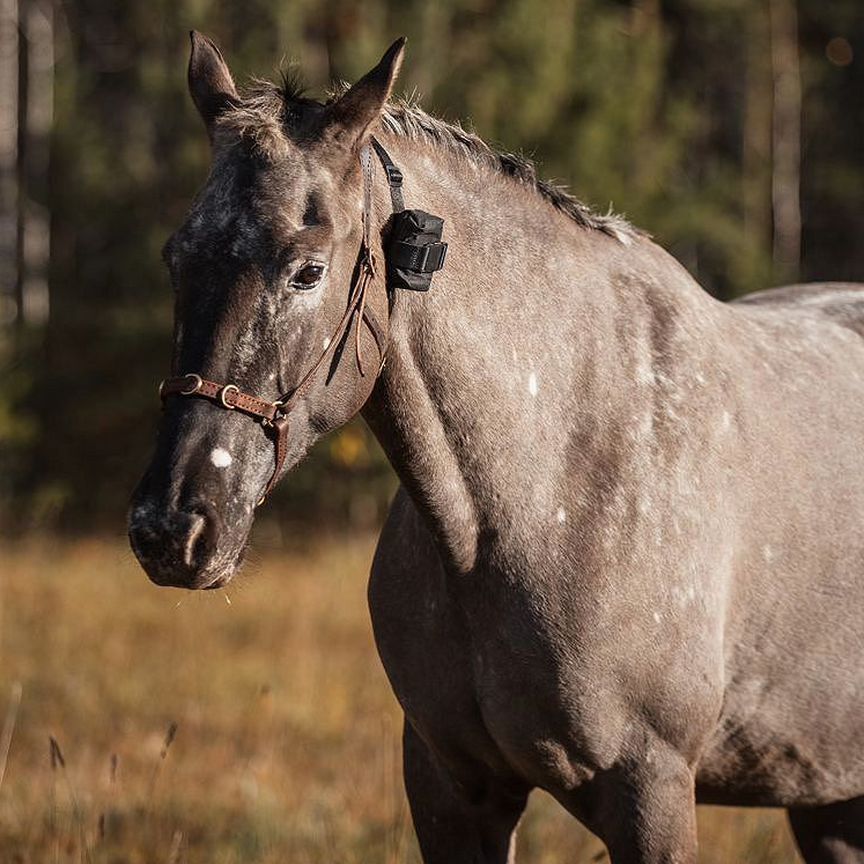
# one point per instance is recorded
(393, 174)
(273, 415)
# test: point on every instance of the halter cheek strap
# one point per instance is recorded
(274, 415)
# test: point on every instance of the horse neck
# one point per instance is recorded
(528, 342)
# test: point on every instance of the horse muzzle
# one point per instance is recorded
(182, 547)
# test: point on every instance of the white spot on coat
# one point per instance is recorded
(220, 458)
(532, 384)
(644, 373)
(561, 515)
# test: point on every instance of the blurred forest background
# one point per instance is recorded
(140, 727)
(732, 130)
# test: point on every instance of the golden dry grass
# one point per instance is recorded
(287, 735)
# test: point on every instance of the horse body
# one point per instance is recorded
(680, 604)
(631, 515)
(626, 562)
(655, 478)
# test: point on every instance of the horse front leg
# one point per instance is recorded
(645, 811)
(455, 825)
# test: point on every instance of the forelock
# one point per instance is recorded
(259, 118)
(271, 117)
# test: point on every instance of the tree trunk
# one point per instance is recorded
(8, 163)
(35, 116)
(757, 144)
(786, 170)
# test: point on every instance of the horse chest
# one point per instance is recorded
(518, 679)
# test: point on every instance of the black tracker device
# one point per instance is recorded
(414, 250)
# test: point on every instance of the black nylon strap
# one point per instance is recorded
(414, 250)
(394, 176)
(421, 259)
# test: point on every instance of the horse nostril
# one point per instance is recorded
(203, 527)
(191, 552)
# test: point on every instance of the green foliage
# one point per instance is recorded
(661, 108)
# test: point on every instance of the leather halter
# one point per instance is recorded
(274, 415)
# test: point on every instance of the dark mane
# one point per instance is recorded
(406, 118)
(265, 115)
(292, 87)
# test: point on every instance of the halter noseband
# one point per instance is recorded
(274, 415)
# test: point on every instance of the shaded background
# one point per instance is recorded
(730, 129)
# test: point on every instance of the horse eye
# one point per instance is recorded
(308, 276)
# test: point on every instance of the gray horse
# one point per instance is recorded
(626, 564)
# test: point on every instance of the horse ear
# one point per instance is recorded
(210, 81)
(351, 115)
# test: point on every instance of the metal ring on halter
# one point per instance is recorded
(224, 392)
(196, 386)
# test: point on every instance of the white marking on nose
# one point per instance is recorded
(532, 384)
(220, 458)
(326, 342)
(561, 515)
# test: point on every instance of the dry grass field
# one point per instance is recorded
(191, 729)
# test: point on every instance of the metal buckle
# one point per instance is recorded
(224, 392)
(196, 386)
(437, 251)
(394, 175)
(265, 422)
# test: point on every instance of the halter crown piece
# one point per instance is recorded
(414, 253)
